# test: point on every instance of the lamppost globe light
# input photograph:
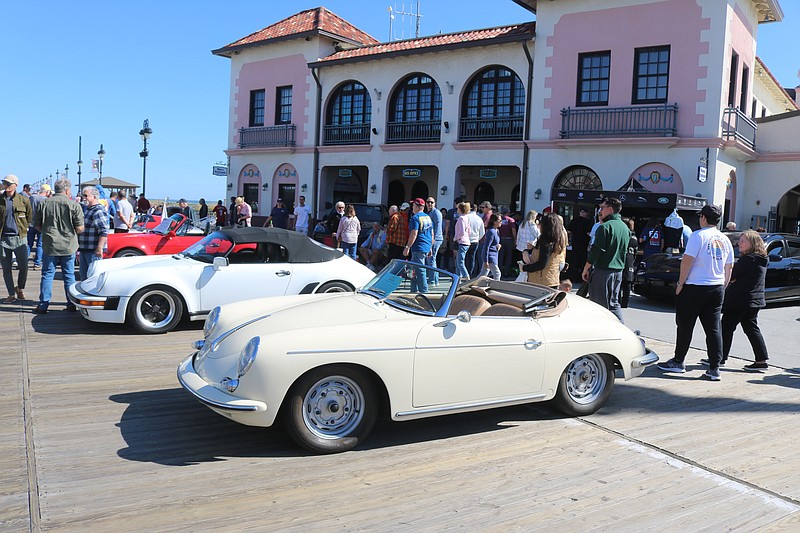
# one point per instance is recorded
(101, 153)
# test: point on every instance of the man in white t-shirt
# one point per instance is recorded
(705, 272)
(123, 220)
(477, 230)
(301, 215)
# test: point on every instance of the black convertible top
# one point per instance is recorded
(300, 248)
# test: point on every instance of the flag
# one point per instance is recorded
(95, 165)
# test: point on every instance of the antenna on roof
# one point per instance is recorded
(413, 14)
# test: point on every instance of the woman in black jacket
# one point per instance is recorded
(744, 296)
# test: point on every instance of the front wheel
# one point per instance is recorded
(331, 409)
(585, 385)
(155, 310)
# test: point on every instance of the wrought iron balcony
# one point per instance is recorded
(645, 120)
(262, 136)
(421, 131)
(346, 134)
(737, 125)
(508, 128)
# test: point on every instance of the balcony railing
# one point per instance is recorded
(421, 131)
(267, 136)
(646, 120)
(737, 125)
(346, 134)
(508, 128)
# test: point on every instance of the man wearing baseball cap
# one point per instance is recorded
(705, 272)
(15, 216)
(420, 240)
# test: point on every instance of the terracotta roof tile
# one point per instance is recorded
(501, 34)
(317, 19)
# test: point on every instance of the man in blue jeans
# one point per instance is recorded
(60, 219)
(420, 242)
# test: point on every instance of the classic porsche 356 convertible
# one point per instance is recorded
(331, 363)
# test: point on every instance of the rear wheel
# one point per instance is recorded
(585, 385)
(331, 409)
(335, 286)
(129, 252)
(155, 310)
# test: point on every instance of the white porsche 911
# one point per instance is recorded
(153, 293)
(331, 363)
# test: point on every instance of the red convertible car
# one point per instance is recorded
(171, 236)
(145, 222)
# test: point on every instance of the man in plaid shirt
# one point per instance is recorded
(396, 232)
(93, 239)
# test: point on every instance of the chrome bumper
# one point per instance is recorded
(210, 396)
(648, 358)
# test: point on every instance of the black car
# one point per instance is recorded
(657, 276)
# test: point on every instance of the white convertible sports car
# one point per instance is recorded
(331, 363)
(154, 293)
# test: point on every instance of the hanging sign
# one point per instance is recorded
(488, 173)
(412, 172)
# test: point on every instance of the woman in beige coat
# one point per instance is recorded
(544, 260)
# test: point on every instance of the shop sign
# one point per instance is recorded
(488, 173)
(412, 173)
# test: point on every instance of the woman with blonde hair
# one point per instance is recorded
(543, 261)
(744, 296)
(348, 231)
(243, 212)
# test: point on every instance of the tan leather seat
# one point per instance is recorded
(503, 310)
(468, 302)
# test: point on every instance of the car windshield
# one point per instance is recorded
(397, 284)
(213, 245)
(167, 224)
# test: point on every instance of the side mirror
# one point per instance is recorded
(171, 233)
(220, 262)
(775, 258)
(462, 316)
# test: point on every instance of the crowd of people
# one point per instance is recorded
(469, 242)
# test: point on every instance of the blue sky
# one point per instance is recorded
(97, 69)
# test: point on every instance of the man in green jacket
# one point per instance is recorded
(15, 216)
(607, 257)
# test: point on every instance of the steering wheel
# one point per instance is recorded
(427, 301)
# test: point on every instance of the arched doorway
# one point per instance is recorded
(348, 187)
(419, 190)
(396, 194)
(484, 192)
(730, 199)
(787, 214)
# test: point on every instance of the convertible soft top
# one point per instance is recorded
(300, 248)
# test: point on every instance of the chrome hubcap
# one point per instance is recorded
(333, 407)
(586, 378)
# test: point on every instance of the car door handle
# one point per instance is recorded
(282, 273)
(532, 343)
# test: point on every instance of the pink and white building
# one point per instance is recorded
(667, 93)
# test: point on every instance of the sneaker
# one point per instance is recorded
(706, 362)
(712, 374)
(40, 310)
(758, 365)
(672, 366)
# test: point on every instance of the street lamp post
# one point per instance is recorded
(101, 154)
(66, 170)
(80, 162)
(145, 133)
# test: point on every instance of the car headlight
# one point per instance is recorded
(248, 355)
(211, 322)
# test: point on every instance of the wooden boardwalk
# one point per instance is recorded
(98, 436)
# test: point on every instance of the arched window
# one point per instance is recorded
(578, 177)
(349, 115)
(493, 106)
(415, 111)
